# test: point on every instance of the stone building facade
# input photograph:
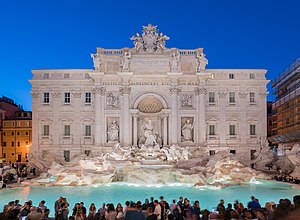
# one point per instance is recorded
(148, 95)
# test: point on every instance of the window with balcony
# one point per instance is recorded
(232, 130)
(67, 130)
(231, 97)
(212, 130)
(211, 97)
(88, 131)
(252, 130)
(46, 130)
(252, 97)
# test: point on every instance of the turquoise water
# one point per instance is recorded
(120, 192)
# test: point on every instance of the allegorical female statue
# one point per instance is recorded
(186, 131)
(113, 132)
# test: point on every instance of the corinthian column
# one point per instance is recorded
(174, 115)
(125, 117)
(201, 92)
(99, 111)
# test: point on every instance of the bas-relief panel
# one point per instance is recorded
(112, 100)
(186, 101)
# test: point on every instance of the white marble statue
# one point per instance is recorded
(137, 41)
(113, 132)
(201, 60)
(96, 60)
(148, 131)
(186, 131)
(126, 61)
(185, 153)
(161, 41)
(174, 63)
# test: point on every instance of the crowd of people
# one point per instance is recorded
(12, 172)
(287, 179)
(154, 210)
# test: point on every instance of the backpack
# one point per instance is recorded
(60, 215)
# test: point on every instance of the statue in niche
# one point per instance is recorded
(112, 101)
(186, 100)
(174, 63)
(126, 61)
(186, 131)
(96, 60)
(201, 60)
(148, 134)
(113, 131)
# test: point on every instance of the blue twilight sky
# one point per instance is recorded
(62, 33)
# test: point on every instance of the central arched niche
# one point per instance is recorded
(150, 104)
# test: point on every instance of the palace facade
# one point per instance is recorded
(148, 95)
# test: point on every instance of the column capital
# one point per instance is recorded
(125, 90)
(35, 93)
(175, 90)
(243, 94)
(200, 90)
(56, 94)
(222, 93)
(99, 90)
(76, 93)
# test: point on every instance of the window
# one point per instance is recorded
(46, 76)
(231, 97)
(66, 75)
(87, 152)
(252, 76)
(12, 133)
(287, 121)
(46, 130)
(26, 143)
(88, 98)
(26, 133)
(18, 133)
(4, 144)
(252, 130)
(67, 97)
(25, 114)
(18, 123)
(46, 97)
(4, 155)
(88, 130)
(4, 133)
(212, 152)
(232, 130)
(232, 151)
(12, 143)
(231, 76)
(27, 124)
(18, 144)
(212, 130)
(252, 97)
(67, 130)
(211, 97)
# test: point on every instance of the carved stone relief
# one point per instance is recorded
(112, 100)
(186, 100)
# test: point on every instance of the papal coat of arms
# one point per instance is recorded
(150, 41)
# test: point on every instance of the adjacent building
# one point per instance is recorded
(146, 96)
(286, 108)
(16, 131)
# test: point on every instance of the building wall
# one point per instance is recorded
(286, 108)
(171, 90)
(16, 139)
